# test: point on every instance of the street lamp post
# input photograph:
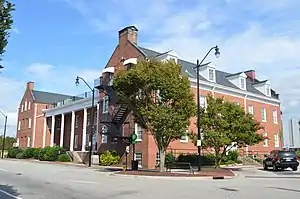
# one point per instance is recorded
(92, 116)
(217, 54)
(4, 134)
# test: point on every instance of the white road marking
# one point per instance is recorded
(3, 170)
(85, 182)
(8, 194)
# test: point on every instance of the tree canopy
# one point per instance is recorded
(223, 123)
(160, 98)
(6, 22)
(9, 141)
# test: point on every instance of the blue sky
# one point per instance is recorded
(53, 41)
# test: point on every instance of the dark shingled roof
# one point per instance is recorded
(48, 98)
(188, 68)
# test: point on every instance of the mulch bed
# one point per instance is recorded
(206, 172)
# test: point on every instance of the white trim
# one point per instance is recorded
(129, 61)
(234, 92)
(108, 70)
(84, 129)
(62, 129)
(68, 108)
(275, 119)
(44, 132)
(72, 131)
(263, 114)
(52, 131)
(34, 125)
(276, 140)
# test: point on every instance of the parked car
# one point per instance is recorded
(278, 159)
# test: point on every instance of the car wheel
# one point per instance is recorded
(274, 167)
(265, 166)
(295, 168)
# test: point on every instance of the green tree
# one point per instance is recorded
(6, 22)
(160, 99)
(224, 123)
(8, 142)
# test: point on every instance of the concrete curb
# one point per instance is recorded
(175, 177)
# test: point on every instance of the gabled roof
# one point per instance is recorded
(188, 68)
(48, 98)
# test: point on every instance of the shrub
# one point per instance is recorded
(169, 160)
(206, 160)
(298, 153)
(50, 153)
(20, 155)
(64, 158)
(233, 155)
(230, 162)
(28, 153)
(109, 158)
(13, 152)
(36, 153)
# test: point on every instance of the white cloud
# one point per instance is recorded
(39, 69)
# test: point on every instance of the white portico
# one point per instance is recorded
(69, 122)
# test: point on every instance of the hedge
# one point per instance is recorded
(42, 154)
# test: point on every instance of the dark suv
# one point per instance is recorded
(281, 160)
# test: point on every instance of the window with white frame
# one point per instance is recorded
(243, 83)
(29, 123)
(211, 75)
(276, 140)
(104, 136)
(76, 140)
(139, 158)
(88, 119)
(263, 115)
(76, 121)
(29, 105)
(185, 137)
(22, 108)
(275, 119)
(268, 90)
(251, 109)
(19, 125)
(157, 159)
(28, 141)
(203, 101)
(105, 104)
(139, 132)
(265, 143)
(25, 107)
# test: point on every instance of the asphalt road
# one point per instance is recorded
(25, 180)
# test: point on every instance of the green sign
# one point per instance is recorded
(133, 138)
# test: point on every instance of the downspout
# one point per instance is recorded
(245, 109)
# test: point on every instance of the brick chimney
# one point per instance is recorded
(250, 74)
(30, 85)
(128, 33)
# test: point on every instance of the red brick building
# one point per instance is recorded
(31, 118)
(70, 122)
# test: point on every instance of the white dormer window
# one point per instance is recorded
(268, 90)
(211, 75)
(242, 83)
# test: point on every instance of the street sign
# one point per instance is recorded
(127, 149)
(133, 138)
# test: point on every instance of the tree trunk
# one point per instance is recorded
(218, 158)
(162, 154)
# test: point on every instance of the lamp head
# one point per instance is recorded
(217, 52)
(77, 81)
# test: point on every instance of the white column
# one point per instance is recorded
(62, 128)
(84, 129)
(34, 125)
(52, 130)
(72, 131)
(44, 132)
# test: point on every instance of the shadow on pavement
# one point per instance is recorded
(7, 191)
